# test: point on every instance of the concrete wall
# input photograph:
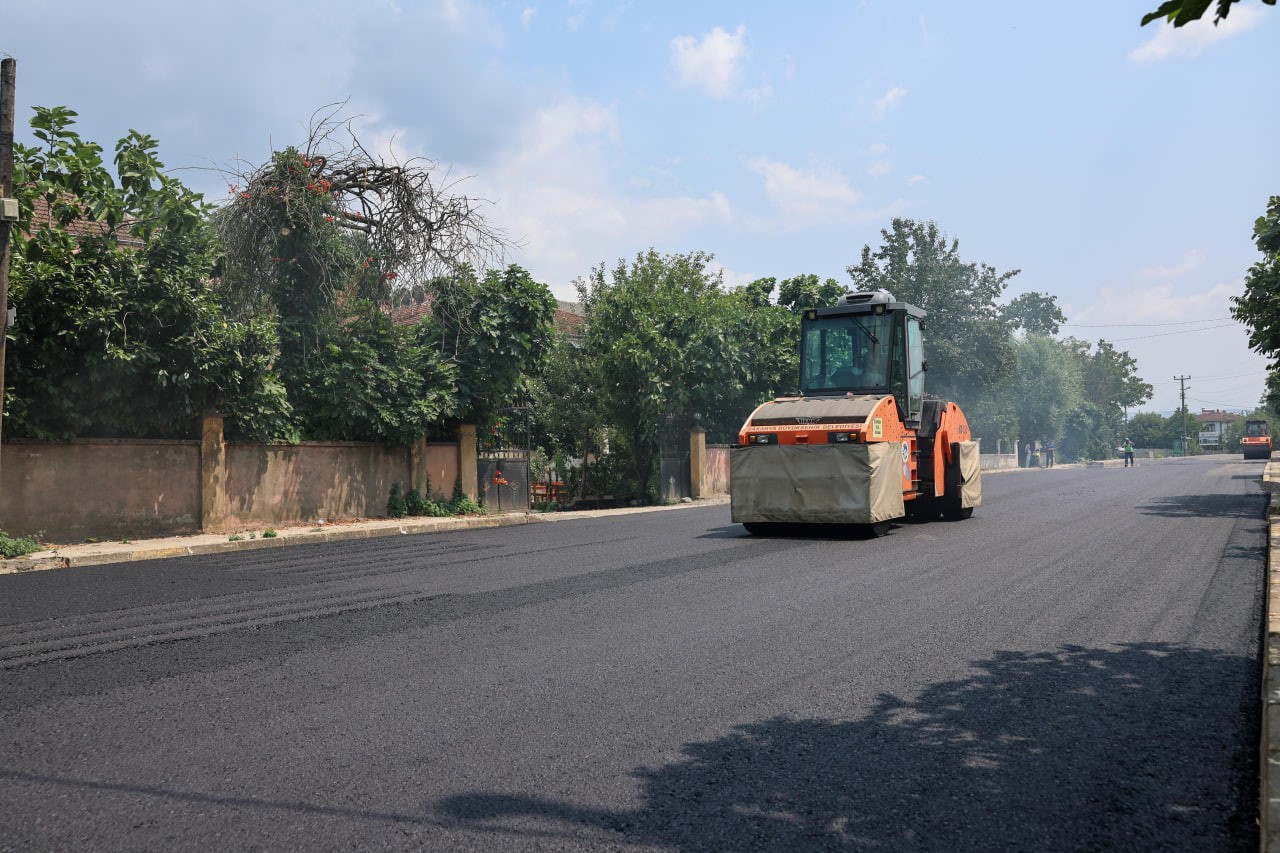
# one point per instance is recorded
(280, 483)
(116, 489)
(715, 471)
(999, 460)
(100, 488)
(442, 469)
(273, 484)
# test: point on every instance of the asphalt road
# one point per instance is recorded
(1075, 667)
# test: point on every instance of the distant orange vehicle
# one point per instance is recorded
(1256, 441)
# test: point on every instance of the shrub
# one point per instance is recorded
(396, 506)
(17, 546)
(460, 504)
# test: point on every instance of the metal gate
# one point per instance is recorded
(673, 472)
(502, 461)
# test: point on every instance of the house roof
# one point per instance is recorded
(569, 319)
(42, 215)
(1215, 416)
(408, 315)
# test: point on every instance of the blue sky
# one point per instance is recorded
(1119, 167)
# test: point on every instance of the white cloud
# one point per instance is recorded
(557, 192)
(879, 168)
(712, 65)
(917, 180)
(806, 195)
(888, 100)
(576, 18)
(1188, 42)
(1190, 262)
(526, 17)
(1157, 304)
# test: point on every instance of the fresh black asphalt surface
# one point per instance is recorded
(1074, 668)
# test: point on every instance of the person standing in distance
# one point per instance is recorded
(1128, 452)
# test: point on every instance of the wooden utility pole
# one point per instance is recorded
(1182, 380)
(8, 83)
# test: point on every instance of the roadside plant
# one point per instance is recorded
(461, 504)
(396, 505)
(17, 546)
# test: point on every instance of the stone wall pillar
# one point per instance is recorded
(468, 470)
(697, 458)
(213, 474)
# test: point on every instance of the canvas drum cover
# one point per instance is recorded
(817, 484)
(970, 474)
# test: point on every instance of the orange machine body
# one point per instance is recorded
(863, 420)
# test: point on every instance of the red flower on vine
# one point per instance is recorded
(499, 480)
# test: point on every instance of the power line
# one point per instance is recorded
(1252, 373)
(1138, 325)
(1165, 334)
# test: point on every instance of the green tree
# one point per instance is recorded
(967, 338)
(669, 339)
(1110, 386)
(370, 380)
(807, 291)
(761, 362)
(1045, 388)
(112, 339)
(1182, 12)
(1259, 306)
(1034, 312)
(1110, 377)
(320, 227)
(1152, 430)
(494, 330)
(1271, 395)
(1088, 434)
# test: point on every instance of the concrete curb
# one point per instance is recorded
(106, 553)
(1269, 747)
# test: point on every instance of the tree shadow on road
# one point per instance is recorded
(1144, 746)
(1208, 506)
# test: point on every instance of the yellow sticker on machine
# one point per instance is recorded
(877, 427)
